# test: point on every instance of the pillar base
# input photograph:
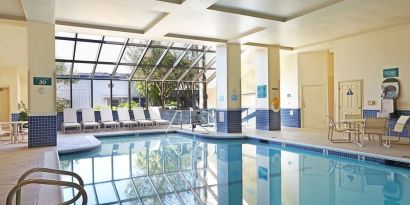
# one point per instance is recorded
(229, 121)
(42, 130)
(267, 120)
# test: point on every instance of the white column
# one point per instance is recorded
(267, 88)
(228, 85)
(41, 84)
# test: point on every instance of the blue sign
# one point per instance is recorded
(234, 97)
(41, 81)
(263, 173)
(262, 91)
(221, 98)
(390, 72)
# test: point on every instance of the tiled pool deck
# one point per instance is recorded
(17, 158)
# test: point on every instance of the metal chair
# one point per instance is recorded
(5, 129)
(374, 126)
(337, 126)
(399, 128)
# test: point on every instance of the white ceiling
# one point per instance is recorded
(291, 23)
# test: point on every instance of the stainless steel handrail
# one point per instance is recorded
(172, 120)
(48, 170)
(17, 187)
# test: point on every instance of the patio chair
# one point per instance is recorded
(155, 116)
(401, 124)
(89, 119)
(5, 130)
(139, 117)
(124, 118)
(374, 126)
(107, 119)
(340, 128)
(70, 119)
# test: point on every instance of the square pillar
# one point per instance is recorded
(267, 89)
(42, 116)
(228, 88)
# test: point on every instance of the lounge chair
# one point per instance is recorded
(401, 124)
(124, 118)
(139, 117)
(374, 126)
(70, 119)
(155, 116)
(89, 119)
(341, 128)
(107, 119)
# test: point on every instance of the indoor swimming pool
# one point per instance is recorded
(179, 169)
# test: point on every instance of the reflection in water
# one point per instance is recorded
(178, 170)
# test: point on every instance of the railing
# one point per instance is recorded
(172, 120)
(16, 190)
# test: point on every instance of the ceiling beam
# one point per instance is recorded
(268, 45)
(140, 60)
(193, 63)
(246, 12)
(158, 62)
(39, 10)
(101, 27)
(177, 62)
(197, 38)
(12, 17)
(155, 22)
(209, 65)
(119, 58)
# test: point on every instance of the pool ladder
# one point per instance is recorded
(16, 190)
(172, 120)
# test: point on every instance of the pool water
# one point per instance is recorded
(177, 169)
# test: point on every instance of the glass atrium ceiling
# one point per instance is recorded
(84, 56)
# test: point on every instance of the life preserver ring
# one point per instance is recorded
(275, 104)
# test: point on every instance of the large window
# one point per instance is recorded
(106, 71)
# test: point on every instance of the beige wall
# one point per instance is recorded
(41, 63)
(365, 56)
(13, 60)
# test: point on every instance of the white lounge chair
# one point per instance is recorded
(107, 119)
(155, 116)
(89, 119)
(139, 117)
(124, 118)
(70, 119)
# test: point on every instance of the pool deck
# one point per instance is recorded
(15, 159)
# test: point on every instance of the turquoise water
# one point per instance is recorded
(154, 169)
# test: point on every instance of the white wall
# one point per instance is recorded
(13, 60)
(365, 56)
(289, 85)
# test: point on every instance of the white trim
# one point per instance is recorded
(42, 114)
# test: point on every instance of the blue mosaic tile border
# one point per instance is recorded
(232, 121)
(392, 121)
(268, 120)
(15, 117)
(288, 120)
(42, 131)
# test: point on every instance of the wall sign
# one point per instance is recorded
(42, 81)
(234, 97)
(261, 91)
(390, 72)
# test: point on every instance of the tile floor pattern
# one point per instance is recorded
(17, 158)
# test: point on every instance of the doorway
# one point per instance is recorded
(314, 106)
(4, 104)
(350, 98)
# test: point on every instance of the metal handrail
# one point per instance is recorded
(18, 187)
(172, 120)
(48, 170)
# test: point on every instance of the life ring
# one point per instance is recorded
(275, 104)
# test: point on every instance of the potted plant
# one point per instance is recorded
(23, 111)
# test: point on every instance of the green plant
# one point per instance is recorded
(23, 116)
(62, 103)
